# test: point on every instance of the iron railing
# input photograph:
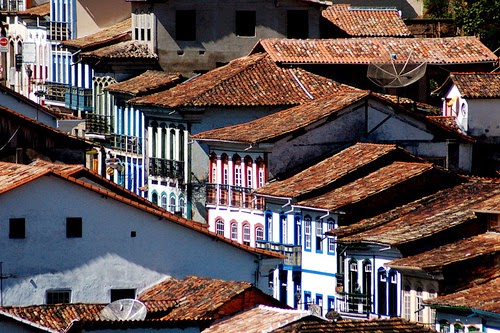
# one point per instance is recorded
(126, 143)
(355, 303)
(98, 124)
(161, 167)
(292, 253)
(233, 196)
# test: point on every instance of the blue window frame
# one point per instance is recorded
(319, 300)
(297, 219)
(269, 226)
(283, 229)
(307, 299)
(307, 233)
(331, 303)
(319, 235)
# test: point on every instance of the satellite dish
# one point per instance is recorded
(315, 309)
(124, 309)
(396, 73)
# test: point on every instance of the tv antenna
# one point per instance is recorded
(124, 309)
(396, 73)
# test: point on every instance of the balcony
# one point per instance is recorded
(11, 5)
(79, 99)
(160, 167)
(55, 91)
(356, 304)
(125, 143)
(293, 253)
(98, 124)
(58, 31)
(233, 196)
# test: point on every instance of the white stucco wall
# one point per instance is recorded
(484, 118)
(107, 256)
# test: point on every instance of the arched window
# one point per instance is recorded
(259, 233)
(164, 141)
(172, 144)
(213, 168)
(393, 293)
(407, 302)
(172, 205)
(419, 304)
(182, 205)
(319, 234)
(237, 170)
(261, 171)
(154, 198)
(246, 233)
(164, 201)
(331, 239)
(432, 312)
(154, 138)
(225, 169)
(234, 231)
(444, 326)
(459, 327)
(472, 328)
(307, 232)
(219, 227)
(249, 171)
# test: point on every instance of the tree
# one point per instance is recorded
(479, 18)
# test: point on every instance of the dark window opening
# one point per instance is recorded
(297, 24)
(57, 296)
(245, 23)
(117, 294)
(17, 228)
(185, 25)
(73, 227)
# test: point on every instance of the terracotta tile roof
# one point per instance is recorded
(122, 50)
(37, 11)
(147, 82)
(462, 250)
(56, 317)
(115, 33)
(483, 297)
(362, 188)
(434, 51)
(254, 80)
(271, 127)
(367, 21)
(330, 170)
(257, 320)
(437, 212)
(15, 175)
(391, 325)
(477, 85)
(197, 297)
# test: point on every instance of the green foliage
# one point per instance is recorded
(479, 18)
(437, 8)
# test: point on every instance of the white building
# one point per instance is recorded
(82, 242)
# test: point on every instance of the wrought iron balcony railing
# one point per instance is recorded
(293, 253)
(55, 91)
(58, 31)
(161, 167)
(355, 303)
(98, 124)
(233, 196)
(129, 144)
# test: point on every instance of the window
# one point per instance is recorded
(73, 227)
(307, 233)
(407, 303)
(307, 299)
(298, 229)
(172, 205)
(259, 233)
(219, 227)
(444, 326)
(331, 303)
(234, 231)
(459, 327)
(319, 235)
(433, 294)
(57, 296)
(17, 228)
(164, 201)
(182, 205)
(213, 168)
(419, 306)
(269, 226)
(245, 23)
(261, 169)
(117, 294)
(246, 234)
(284, 229)
(237, 170)
(297, 24)
(185, 25)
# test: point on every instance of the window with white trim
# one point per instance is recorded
(319, 235)
(419, 306)
(259, 233)
(307, 233)
(172, 205)
(284, 229)
(407, 303)
(246, 234)
(234, 231)
(237, 170)
(219, 227)
(164, 201)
